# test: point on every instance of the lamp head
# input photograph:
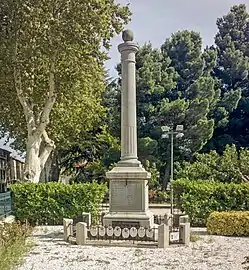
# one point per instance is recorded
(165, 129)
(179, 128)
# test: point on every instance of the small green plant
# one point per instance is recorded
(13, 244)
(195, 237)
(210, 240)
(138, 252)
(155, 174)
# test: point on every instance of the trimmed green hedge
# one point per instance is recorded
(49, 203)
(199, 198)
(232, 223)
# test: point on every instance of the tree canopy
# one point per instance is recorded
(180, 83)
(231, 166)
(231, 71)
(52, 74)
(174, 86)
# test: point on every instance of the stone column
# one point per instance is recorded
(128, 50)
(128, 189)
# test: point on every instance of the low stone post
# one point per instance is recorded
(184, 233)
(68, 228)
(81, 233)
(183, 219)
(168, 220)
(87, 218)
(163, 236)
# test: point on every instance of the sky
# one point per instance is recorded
(156, 20)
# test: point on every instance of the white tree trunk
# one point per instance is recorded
(32, 162)
(35, 158)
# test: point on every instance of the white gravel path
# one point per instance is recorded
(210, 252)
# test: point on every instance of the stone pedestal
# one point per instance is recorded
(129, 197)
(128, 189)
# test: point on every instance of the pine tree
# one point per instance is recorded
(175, 87)
(232, 41)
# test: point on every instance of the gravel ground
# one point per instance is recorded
(50, 252)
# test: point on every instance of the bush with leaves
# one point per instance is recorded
(49, 203)
(231, 166)
(158, 196)
(231, 223)
(200, 198)
(92, 158)
(155, 174)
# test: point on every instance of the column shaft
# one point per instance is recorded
(128, 103)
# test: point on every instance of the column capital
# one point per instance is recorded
(128, 46)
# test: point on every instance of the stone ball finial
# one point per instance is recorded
(127, 35)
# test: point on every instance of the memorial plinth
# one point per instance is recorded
(128, 188)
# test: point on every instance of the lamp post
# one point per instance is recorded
(170, 132)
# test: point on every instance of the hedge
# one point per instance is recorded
(199, 198)
(49, 203)
(233, 223)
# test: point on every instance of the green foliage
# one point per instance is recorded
(55, 44)
(89, 160)
(49, 203)
(174, 86)
(232, 71)
(155, 175)
(158, 196)
(13, 244)
(194, 237)
(199, 198)
(231, 166)
(231, 223)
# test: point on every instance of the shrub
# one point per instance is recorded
(199, 198)
(231, 166)
(157, 196)
(13, 244)
(229, 223)
(49, 203)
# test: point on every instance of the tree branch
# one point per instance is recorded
(44, 119)
(27, 107)
(48, 147)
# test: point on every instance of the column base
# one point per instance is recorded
(128, 196)
(136, 219)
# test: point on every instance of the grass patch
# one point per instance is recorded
(194, 237)
(13, 244)
(210, 240)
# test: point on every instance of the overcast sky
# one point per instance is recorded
(156, 20)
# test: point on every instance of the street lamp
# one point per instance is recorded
(170, 132)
